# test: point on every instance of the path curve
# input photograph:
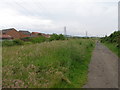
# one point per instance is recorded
(103, 69)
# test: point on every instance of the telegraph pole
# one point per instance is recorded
(118, 16)
(86, 34)
(65, 31)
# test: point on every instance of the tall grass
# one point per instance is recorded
(56, 64)
(113, 47)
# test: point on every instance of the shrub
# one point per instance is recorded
(18, 42)
(26, 39)
(56, 37)
(61, 37)
(7, 43)
(38, 39)
(12, 43)
(113, 38)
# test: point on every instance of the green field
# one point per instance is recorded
(56, 64)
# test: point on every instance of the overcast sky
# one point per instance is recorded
(97, 17)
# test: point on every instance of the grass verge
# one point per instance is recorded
(113, 47)
(56, 64)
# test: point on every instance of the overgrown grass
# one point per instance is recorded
(56, 64)
(113, 47)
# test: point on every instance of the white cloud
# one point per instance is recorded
(98, 17)
(10, 18)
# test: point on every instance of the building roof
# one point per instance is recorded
(35, 32)
(25, 32)
(6, 30)
(45, 35)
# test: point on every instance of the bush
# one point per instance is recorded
(56, 37)
(113, 38)
(12, 43)
(61, 37)
(7, 43)
(38, 39)
(26, 39)
(18, 42)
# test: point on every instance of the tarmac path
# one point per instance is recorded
(103, 69)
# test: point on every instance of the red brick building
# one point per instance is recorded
(14, 34)
(35, 34)
(11, 32)
(6, 37)
(45, 35)
(24, 34)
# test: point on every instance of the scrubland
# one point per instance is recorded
(55, 64)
